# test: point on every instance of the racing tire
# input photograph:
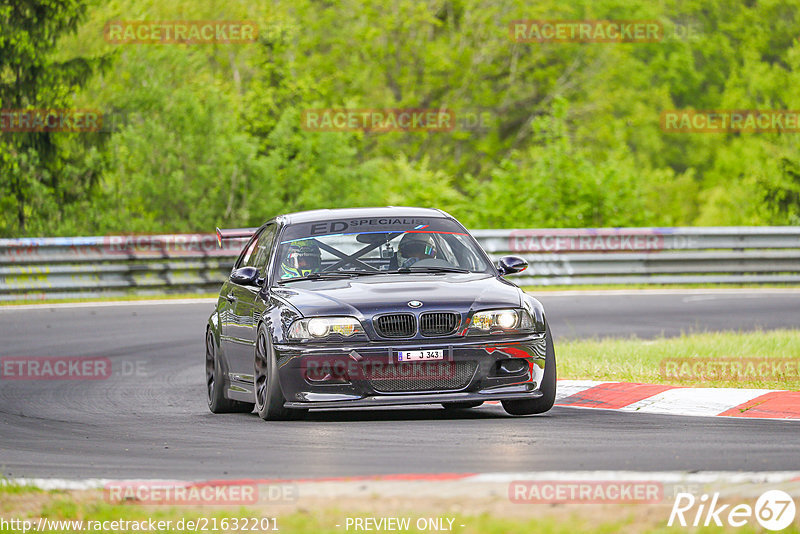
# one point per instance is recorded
(215, 390)
(268, 393)
(463, 405)
(547, 387)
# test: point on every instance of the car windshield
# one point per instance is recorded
(376, 246)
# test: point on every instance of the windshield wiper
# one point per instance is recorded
(431, 269)
(329, 275)
(318, 276)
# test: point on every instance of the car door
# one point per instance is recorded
(247, 308)
(228, 296)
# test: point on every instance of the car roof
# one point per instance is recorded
(360, 213)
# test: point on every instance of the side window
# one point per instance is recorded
(264, 250)
(248, 256)
(443, 250)
(467, 258)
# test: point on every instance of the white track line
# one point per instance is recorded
(668, 477)
(633, 292)
(532, 291)
(110, 303)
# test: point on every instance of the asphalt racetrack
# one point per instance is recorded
(150, 420)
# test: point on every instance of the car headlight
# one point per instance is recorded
(510, 320)
(322, 327)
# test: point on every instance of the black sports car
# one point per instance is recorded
(374, 307)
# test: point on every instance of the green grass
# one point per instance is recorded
(90, 506)
(661, 360)
(11, 487)
(322, 517)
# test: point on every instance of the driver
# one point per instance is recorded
(301, 259)
(415, 246)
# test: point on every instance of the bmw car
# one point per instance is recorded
(374, 307)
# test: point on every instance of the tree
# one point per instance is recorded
(32, 163)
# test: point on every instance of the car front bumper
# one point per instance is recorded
(370, 373)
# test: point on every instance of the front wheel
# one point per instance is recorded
(217, 402)
(269, 397)
(547, 387)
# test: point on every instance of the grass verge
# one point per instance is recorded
(761, 359)
(487, 515)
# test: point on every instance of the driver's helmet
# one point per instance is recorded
(301, 259)
(415, 246)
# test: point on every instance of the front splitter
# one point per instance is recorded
(427, 398)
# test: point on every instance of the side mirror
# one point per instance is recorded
(511, 264)
(246, 276)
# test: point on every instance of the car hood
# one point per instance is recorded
(369, 295)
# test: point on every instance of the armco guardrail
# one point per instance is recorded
(42, 268)
(760, 254)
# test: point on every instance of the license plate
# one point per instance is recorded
(420, 355)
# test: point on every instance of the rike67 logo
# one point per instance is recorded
(774, 510)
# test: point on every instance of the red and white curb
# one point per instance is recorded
(677, 400)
